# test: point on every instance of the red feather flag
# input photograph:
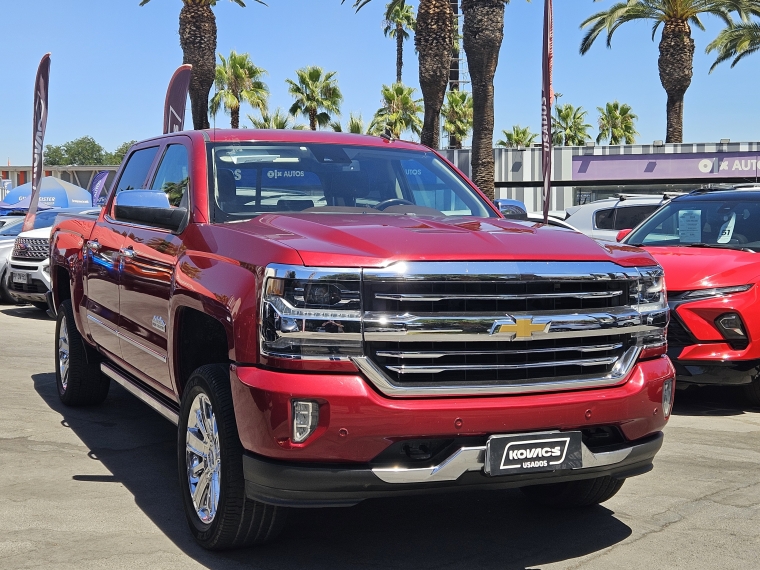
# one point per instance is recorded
(41, 84)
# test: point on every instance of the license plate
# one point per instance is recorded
(532, 452)
(20, 278)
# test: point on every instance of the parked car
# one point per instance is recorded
(603, 219)
(708, 243)
(9, 220)
(552, 221)
(330, 318)
(26, 262)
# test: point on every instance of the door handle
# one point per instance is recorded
(127, 252)
(93, 245)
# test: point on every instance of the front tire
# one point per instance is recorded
(752, 392)
(77, 366)
(210, 461)
(574, 494)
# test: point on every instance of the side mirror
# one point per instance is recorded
(150, 208)
(622, 233)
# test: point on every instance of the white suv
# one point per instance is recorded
(603, 219)
(29, 268)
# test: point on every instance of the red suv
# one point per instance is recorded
(707, 242)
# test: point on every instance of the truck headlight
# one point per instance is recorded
(311, 313)
(650, 292)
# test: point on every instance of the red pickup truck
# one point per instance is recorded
(331, 317)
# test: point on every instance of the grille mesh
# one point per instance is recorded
(35, 249)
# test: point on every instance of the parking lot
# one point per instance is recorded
(97, 488)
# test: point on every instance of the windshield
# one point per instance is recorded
(711, 223)
(253, 179)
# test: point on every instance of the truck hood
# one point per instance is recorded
(375, 240)
(690, 268)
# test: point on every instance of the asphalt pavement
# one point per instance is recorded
(98, 488)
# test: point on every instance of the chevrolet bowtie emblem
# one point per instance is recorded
(521, 328)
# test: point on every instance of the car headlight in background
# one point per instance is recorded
(715, 292)
(311, 314)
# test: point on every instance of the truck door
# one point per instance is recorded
(149, 257)
(103, 259)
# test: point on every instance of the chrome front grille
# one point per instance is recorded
(501, 327)
(34, 249)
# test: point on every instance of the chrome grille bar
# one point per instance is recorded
(432, 354)
(548, 364)
(434, 298)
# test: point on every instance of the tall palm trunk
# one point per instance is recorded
(313, 119)
(235, 117)
(675, 63)
(454, 142)
(483, 35)
(399, 51)
(433, 39)
(197, 36)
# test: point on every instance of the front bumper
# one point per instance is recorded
(38, 280)
(289, 484)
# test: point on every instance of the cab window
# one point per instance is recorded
(137, 169)
(173, 176)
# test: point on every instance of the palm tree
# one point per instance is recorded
(433, 38)
(676, 45)
(317, 95)
(355, 125)
(277, 120)
(568, 126)
(457, 117)
(399, 20)
(197, 37)
(400, 111)
(518, 137)
(238, 80)
(483, 33)
(736, 41)
(616, 124)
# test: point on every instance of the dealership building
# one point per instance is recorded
(579, 174)
(587, 173)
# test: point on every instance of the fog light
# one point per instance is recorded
(305, 419)
(731, 326)
(667, 397)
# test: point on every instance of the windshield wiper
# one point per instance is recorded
(721, 246)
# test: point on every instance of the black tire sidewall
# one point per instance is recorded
(231, 459)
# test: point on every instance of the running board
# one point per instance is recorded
(136, 388)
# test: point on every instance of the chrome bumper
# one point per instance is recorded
(474, 458)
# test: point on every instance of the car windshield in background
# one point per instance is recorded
(731, 224)
(253, 179)
(42, 220)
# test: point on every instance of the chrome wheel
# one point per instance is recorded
(202, 458)
(63, 355)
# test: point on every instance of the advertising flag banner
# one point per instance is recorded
(97, 186)
(547, 96)
(38, 136)
(176, 100)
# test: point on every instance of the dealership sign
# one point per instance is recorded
(666, 166)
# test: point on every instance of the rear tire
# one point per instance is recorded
(573, 494)
(210, 462)
(752, 392)
(77, 366)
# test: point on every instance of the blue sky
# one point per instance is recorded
(111, 62)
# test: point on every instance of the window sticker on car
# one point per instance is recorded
(690, 226)
(727, 230)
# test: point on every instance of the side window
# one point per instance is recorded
(430, 191)
(631, 216)
(173, 176)
(605, 219)
(137, 169)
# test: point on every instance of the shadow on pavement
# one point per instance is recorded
(26, 312)
(711, 401)
(499, 529)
